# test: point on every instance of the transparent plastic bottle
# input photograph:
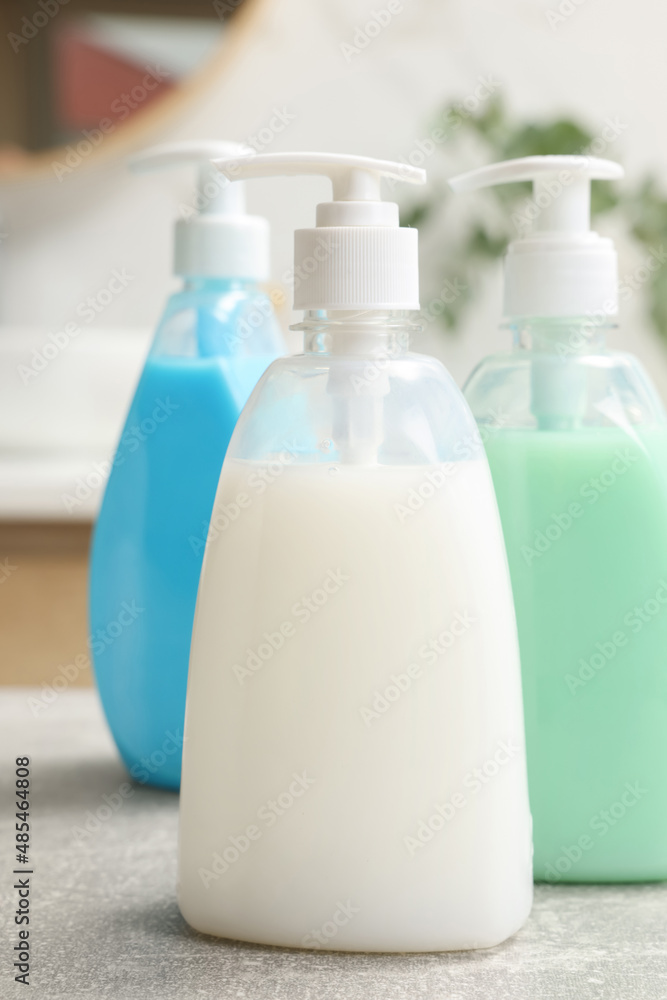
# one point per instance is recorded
(577, 443)
(576, 438)
(354, 772)
(216, 337)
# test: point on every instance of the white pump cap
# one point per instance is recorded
(358, 257)
(561, 268)
(217, 240)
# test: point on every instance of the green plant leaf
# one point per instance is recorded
(643, 207)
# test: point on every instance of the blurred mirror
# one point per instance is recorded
(73, 69)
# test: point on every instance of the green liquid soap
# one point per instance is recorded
(584, 515)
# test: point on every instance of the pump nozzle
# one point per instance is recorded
(217, 239)
(561, 268)
(357, 257)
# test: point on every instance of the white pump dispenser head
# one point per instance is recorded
(357, 257)
(562, 268)
(219, 240)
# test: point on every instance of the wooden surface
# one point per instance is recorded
(43, 603)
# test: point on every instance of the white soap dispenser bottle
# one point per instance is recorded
(354, 774)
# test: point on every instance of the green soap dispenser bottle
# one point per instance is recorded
(576, 438)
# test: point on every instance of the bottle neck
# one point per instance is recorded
(367, 333)
(567, 336)
(196, 284)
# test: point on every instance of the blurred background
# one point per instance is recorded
(85, 247)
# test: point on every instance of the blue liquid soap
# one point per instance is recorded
(207, 357)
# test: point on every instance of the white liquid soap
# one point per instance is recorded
(354, 773)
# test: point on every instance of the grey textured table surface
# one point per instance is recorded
(105, 922)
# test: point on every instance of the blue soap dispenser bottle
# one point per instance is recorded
(216, 337)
